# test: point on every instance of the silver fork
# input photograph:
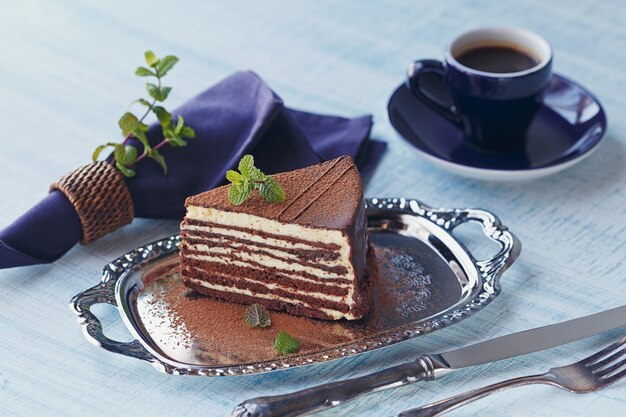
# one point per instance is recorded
(590, 374)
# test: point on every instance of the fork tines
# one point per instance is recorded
(602, 363)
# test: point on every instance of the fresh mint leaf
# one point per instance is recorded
(131, 125)
(142, 101)
(256, 175)
(154, 91)
(179, 125)
(151, 58)
(246, 162)
(99, 150)
(144, 72)
(238, 193)
(128, 122)
(285, 343)
(165, 91)
(163, 115)
(158, 93)
(156, 155)
(257, 315)
(235, 194)
(119, 152)
(124, 155)
(234, 177)
(165, 64)
(128, 172)
(141, 135)
(271, 191)
(176, 141)
(130, 154)
(188, 132)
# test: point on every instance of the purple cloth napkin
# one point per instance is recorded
(240, 115)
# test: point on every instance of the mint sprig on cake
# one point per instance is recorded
(250, 178)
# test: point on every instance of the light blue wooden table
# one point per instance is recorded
(66, 76)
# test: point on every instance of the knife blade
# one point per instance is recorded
(428, 367)
(533, 340)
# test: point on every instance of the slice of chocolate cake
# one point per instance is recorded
(307, 255)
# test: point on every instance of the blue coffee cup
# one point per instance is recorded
(492, 102)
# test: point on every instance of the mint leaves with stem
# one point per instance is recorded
(250, 178)
(285, 343)
(126, 156)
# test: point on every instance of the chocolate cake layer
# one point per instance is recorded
(251, 275)
(231, 250)
(307, 253)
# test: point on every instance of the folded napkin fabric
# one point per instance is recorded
(240, 115)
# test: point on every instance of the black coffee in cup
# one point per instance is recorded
(497, 78)
(497, 58)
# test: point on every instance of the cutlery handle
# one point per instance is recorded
(451, 403)
(336, 393)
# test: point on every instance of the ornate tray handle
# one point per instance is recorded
(104, 293)
(490, 269)
(510, 245)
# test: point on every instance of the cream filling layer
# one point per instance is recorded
(292, 291)
(234, 248)
(245, 259)
(237, 234)
(336, 315)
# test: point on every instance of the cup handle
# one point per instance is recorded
(414, 83)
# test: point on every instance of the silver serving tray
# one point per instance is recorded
(428, 280)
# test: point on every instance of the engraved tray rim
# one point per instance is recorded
(444, 221)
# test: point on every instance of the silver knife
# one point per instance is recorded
(429, 367)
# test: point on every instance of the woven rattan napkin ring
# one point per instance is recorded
(100, 196)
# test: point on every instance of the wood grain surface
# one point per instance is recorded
(66, 75)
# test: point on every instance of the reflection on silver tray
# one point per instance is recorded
(428, 280)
